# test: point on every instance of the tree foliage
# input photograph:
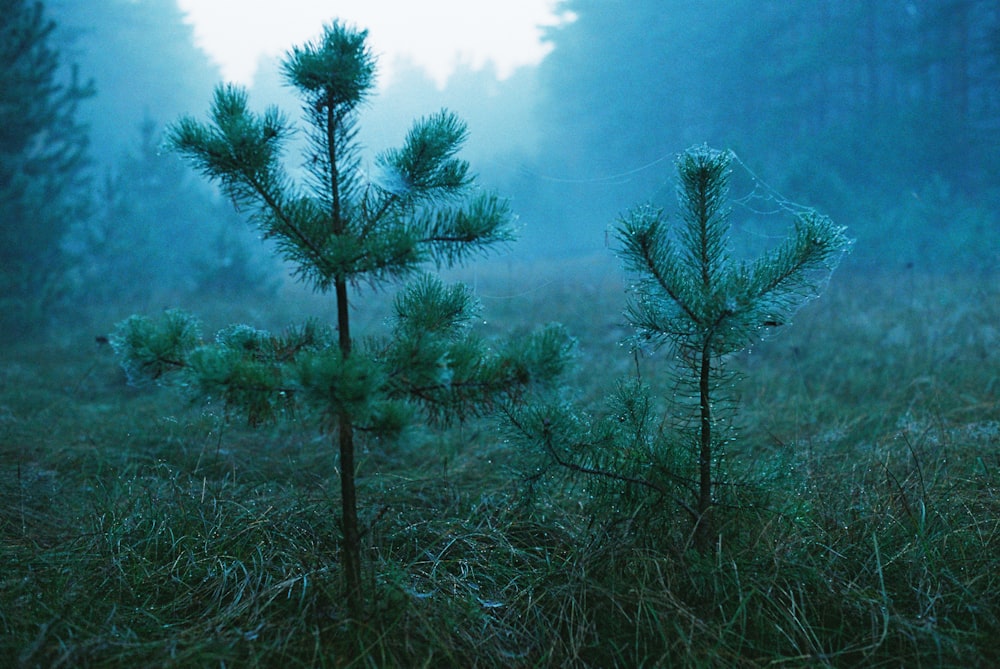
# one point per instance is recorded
(146, 64)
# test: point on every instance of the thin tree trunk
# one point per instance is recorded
(345, 426)
(702, 534)
(349, 512)
(872, 93)
(348, 491)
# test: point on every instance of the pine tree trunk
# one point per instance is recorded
(703, 530)
(348, 492)
(349, 512)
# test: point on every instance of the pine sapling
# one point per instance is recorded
(692, 298)
(339, 230)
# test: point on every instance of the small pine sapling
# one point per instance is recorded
(338, 230)
(694, 299)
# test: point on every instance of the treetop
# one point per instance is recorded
(691, 292)
(337, 70)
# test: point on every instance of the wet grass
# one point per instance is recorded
(139, 529)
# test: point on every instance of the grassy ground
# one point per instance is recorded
(139, 529)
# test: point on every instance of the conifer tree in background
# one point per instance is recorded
(340, 229)
(694, 299)
(153, 220)
(43, 162)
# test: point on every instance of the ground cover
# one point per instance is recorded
(861, 526)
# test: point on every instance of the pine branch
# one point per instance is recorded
(426, 163)
(240, 151)
(816, 245)
(647, 251)
(548, 438)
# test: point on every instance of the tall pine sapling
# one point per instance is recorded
(340, 229)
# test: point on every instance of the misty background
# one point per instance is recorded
(883, 114)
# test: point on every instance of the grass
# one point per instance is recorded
(139, 529)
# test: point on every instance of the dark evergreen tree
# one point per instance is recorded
(342, 230)
(43, 161)
(156, 231)
(146, 64)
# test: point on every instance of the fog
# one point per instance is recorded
(273, 441)
(885, 115)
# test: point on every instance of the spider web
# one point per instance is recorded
(761, 215)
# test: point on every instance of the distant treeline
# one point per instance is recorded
(850, 106)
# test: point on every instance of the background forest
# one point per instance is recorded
(883, 114)
(859, 500)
